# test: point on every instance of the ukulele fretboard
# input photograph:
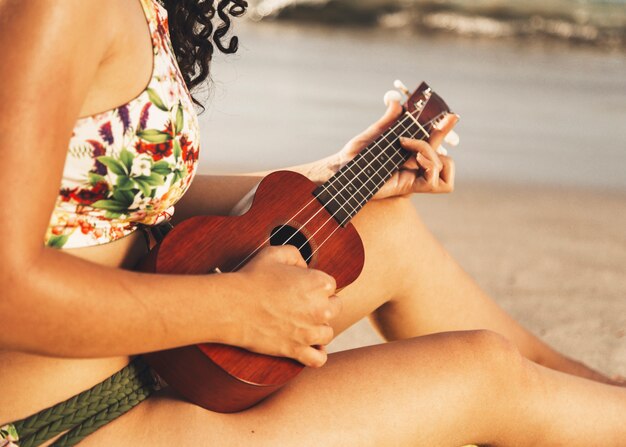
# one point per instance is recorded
(346, 192)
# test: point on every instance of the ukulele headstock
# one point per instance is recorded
(426, 106)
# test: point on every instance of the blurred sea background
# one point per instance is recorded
(540, 85)
(539, 214)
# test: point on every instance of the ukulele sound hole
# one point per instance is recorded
(286, 235)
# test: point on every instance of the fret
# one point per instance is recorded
(384, 171)
(363, 169)
(337, 199)
(356, 189)
(417, 124)
(348, 178)
(346, 201)
(365, 186)
(400, 158)
(415, 131)
(341, 216)
(388, 138)
(369, 170)
(340, 210)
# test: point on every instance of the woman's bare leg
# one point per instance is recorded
(411, 286)
(438, 390)
(444, 389)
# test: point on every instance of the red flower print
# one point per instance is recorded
(157, 150)
(98, 148)
(66, 194)
(162, 150)
(169, 129)
(90, 195)
(189, 154)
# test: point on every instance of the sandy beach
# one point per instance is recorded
(539, 215)
(554, 258)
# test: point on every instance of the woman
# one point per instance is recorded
(460, 369)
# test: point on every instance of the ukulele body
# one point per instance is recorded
(225, 378)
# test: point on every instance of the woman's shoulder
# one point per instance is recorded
(41, 27)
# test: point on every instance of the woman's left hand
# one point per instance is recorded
(426, 172)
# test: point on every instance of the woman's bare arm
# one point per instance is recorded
(51, 301)
(211, 195)
(218, 194)
(55, 304)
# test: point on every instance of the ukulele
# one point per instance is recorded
(289, 209)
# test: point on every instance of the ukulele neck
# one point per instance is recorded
(346, 192)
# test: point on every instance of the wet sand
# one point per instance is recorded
(539, 215)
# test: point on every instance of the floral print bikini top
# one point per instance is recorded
(128, 166)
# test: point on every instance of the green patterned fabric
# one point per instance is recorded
(84, 413)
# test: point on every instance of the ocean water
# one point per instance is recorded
(531, 113)
(596, 22)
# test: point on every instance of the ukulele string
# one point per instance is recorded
(256, 250)
(360, 203)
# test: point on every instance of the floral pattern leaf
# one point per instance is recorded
(152, 180)
(124, 183)
(176, 177)
(57, 241)
(162, 168)
(12, 432)
(156, 99)
(110, 205)
(154, 136)
(127, 157)
(112, 214)
(124, 196)
(144, 187)
(9, 433)
(180, 120)
(177, 150)
(114, 165)
(94, 179)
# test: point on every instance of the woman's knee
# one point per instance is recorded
(487, 355)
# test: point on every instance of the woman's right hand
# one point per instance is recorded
(286, 307)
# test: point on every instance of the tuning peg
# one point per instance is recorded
(392, 96)
(400, 86)
(452, 138)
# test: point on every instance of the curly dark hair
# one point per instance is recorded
(194, 36)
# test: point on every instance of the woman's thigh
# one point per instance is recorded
(411, 285)
(423, 391)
